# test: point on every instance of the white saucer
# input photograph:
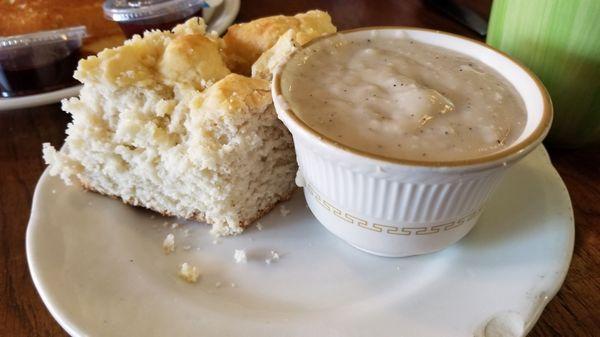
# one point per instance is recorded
(218, 20)
(99, 268)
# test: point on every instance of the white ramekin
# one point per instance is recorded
(392, 207)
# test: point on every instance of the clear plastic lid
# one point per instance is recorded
(134, 10)
(42, 38)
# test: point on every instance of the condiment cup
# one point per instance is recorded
(39, 62)
(392, 207)
(135, 17)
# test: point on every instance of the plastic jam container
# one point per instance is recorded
(137, 16)
(39, 62)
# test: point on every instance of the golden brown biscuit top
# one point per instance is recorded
(245, 42)
(236, 94)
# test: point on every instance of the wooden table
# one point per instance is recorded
(574, 312)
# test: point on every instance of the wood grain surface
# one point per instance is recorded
(574, 312)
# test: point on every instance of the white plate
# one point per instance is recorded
(38, 99)
(223, 16)
(99, 268)
(218, 20)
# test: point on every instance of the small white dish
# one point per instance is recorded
(401, 207)
(99, 267)
(218, 20)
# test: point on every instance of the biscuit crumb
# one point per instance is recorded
(189, 273)
(239, 255)
(259, 226)
(174, 225)
(169, 244)
(284, 210)
(217, 284)
(274, 257)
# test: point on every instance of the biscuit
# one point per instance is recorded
(245, 42)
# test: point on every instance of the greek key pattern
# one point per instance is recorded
(391, 229)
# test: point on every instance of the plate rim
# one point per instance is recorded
(44, 98)
(68, 326)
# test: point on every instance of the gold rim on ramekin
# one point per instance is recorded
(537, 134)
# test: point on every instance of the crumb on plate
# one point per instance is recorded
(239, 255)
(284, 210)
(189, 273)
(273, 257)
(169, 244)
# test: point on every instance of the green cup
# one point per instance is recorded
(560, 41)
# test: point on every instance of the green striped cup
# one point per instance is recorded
(560, 41)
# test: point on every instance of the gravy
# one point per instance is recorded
(402, 99)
